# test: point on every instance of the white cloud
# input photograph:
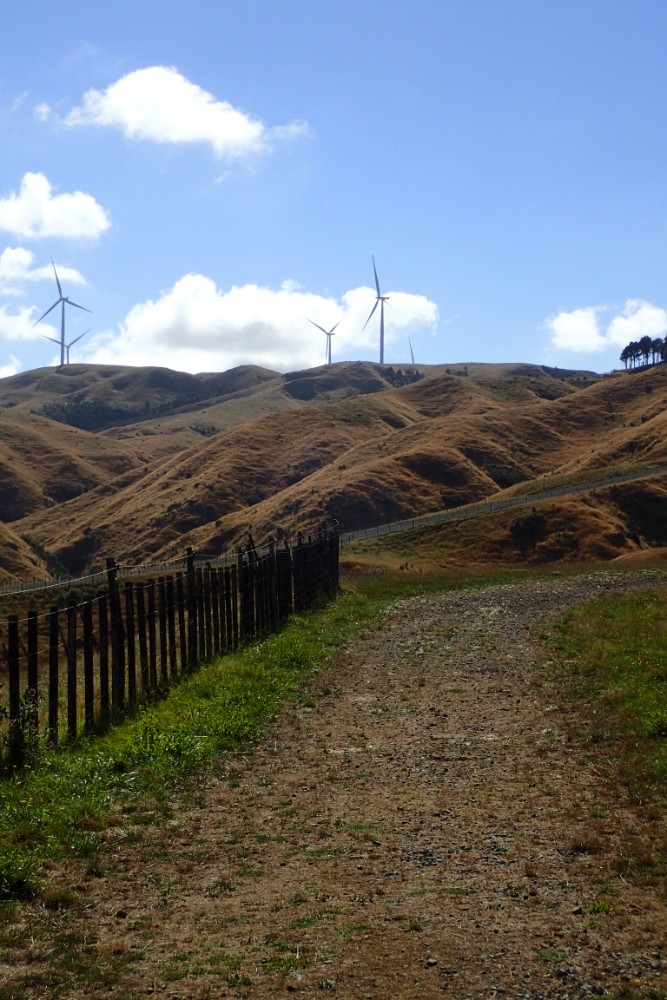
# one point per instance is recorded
(16, 270)
(580, 330)
(12, 368)
(403, 314)
(20, 100)
(37, 213)
(160, 104)
(638, 319)
(20, 325)
(42, 112)
(195, 326)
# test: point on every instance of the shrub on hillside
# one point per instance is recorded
(527, 530)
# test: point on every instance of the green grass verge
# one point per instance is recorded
(63, 805)
(615, 667)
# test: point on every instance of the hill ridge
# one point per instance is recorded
(262, 457)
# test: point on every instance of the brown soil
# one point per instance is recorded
(426, 823)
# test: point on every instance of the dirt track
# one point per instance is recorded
(422, 826)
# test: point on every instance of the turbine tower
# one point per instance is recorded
(61, 301)
(381, 299)
(328, 334)
(67, 346)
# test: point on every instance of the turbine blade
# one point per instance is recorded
(331, 331)
(371, 315)
(317, 325)
(52, 339)
(73, 342)
(47, 312)
(377, 283)
(76, 304)
(60, 291)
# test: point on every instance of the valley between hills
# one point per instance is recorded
(140, 463)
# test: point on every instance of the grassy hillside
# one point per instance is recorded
(362, 443)
(43, 464)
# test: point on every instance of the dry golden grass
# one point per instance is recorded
(265, 452)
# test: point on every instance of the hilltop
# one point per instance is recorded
(139, 463)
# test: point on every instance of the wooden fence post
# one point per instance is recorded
(182, 631)
(246, 611)
(54, 672)
(192, 609)
(201, 615)
(298, 574)
(117, 639)
(70, 648)
(230, 611)
(260, 594)
(131, 645)
(272, 595)
(14, 666)
(103, 621)
(207, 601)
(215, 610)
(162, 631)
(33, 665)
(171, 626)
(285, 574)
(143, 640)
(88, 671)
(149, 587)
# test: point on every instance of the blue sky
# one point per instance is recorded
(209, 177)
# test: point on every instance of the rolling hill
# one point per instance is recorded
(140, 463)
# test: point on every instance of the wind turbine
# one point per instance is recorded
(71, 343)
(61, 301)
(381, 299)
(328, 334)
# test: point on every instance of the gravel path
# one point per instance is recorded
(422, 826)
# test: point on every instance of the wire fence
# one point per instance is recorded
(73, 669)
(551, 488)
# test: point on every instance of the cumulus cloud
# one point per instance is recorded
(16, 273)
(638, 319)
(12, 368)
(17, 270)
(195, 326)
(19, 325)
(578, 330)
(582, 330)
(36, 212)
(158, 103)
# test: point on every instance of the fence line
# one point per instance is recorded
(488, 505)
(74, 669)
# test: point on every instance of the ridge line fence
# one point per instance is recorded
(489, 504)
(76, 668)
